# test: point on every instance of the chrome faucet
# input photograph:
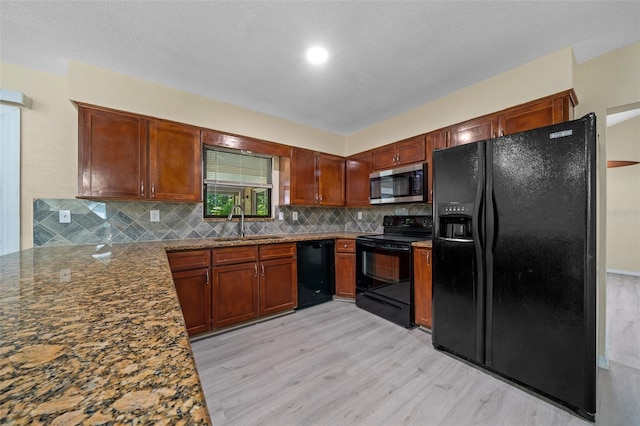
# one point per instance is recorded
(241, 218)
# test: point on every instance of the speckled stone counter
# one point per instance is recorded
(95, 335)
(423, 244)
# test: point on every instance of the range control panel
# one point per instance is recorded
(409, 223)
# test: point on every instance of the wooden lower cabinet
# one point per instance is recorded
(345, 264)
(191, 277)
(235, 294)
(253, 281)
(422, 260)
(194, 294)
(278, 286)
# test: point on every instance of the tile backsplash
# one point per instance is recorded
(102, 222)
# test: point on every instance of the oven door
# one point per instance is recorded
(384, 284)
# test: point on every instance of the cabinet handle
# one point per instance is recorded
(428, 258)
(153, 190)
(207, 277)
(142, 189)
(501, 132)
(255, 271)
(262, 267)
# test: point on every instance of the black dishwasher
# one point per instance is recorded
(316, 272)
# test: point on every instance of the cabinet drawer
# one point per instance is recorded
(344, 245)
(276, 251)
(189, 259)
(230, 255)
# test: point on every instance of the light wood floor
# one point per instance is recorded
(335, 364)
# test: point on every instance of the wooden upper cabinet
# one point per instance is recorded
(125, 156)
(112, 155)
(435, 140)
(175, 157)
(358, 167)
(407, 151)
(474, 130)
(303, 177)
(546, 111)
(315, 178)
(330, 180)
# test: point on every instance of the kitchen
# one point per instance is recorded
(58, 120)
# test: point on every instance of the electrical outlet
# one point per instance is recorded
(280, 215)
(64, 216)
(359, 215)
(294, 215)
(154, 215)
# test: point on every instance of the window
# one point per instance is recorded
(237, 177)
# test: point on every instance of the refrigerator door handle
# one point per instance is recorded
(477, 234)
(457, 240)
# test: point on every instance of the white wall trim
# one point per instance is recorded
(14, 97)
(9, 179)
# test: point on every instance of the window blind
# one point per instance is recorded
(237, 168)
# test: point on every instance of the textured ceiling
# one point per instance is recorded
(384, 57)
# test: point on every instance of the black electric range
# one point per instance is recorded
(384, 267)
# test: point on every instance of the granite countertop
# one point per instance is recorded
(95, 335)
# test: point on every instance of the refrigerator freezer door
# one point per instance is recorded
(541, 282)
(458, 293)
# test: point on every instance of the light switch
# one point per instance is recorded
(294, 215)
(65, 216)
(154, 215)
(280, 215)
(359, 215)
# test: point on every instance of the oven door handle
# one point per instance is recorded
(383, 247)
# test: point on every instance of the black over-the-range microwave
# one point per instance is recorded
(407, 184)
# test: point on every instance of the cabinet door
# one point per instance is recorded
(537, 114)
(278, 285)
(435, 140)
(358, 167)
(422, 286)
(474, 130)
(235, 294)
(330, 180)
(384, 158)
(346, 275)
(194, 294)
(303, 177)
(112, 155)
(345, 263)
(411, 151)
(175, 162)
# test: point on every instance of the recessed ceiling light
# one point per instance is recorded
(317, 55)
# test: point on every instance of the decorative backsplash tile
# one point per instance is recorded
(98, 222)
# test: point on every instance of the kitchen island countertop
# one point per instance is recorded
(95, 334)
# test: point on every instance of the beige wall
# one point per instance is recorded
(106, 88)
(623, 198)
(49, 141)
(602, 83)
(544, 76)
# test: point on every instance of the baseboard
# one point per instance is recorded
(603, 362)
(623, 272)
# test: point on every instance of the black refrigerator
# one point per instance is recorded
(514, 259)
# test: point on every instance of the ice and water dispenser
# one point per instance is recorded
(456, 221)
